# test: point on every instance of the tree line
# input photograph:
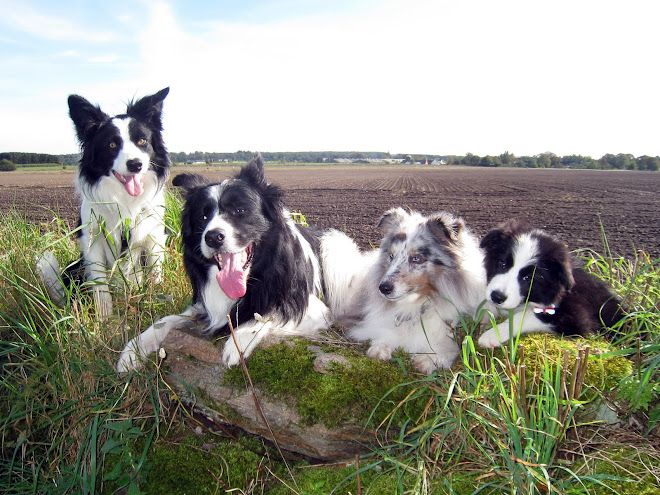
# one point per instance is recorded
(620, 161)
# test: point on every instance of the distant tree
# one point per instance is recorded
(648, 163)
(6, 165)
(490, 161)
(507, 158)
(472, 160)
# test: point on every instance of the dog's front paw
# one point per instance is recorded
(230, 355)
(428, 363)
(489, 339)
(380, 351)
(103, 301)
(424, 363)
(128, 360)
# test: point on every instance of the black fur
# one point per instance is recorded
(280, 280)
(95, 132)
(584, 304)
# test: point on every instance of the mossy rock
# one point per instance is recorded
(603, 371)
(355, 388)
(327, 414)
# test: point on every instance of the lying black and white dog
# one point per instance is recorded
(246, 258)
(531, 272)
(121, 179)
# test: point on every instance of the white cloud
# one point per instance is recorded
(426, 76)
(38, 24)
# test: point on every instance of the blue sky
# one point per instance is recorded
(405, 76)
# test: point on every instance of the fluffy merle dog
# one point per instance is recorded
(121, 178)
(246, 258)
(531, 272)
(410, 292)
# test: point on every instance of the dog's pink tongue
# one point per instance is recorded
(232, 278)
(133, 184)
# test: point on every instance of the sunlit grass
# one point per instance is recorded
(519, 420)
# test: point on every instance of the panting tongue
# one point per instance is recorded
(232, 277)
(133, 184)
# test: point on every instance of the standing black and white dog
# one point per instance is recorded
(531, 272)
(121, 178)
(246, 258)
(414, 289)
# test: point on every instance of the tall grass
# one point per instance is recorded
(63, 407)
(517, 421)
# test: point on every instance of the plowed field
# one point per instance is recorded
(569, 203)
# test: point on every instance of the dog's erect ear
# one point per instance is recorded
(445, 226)
(253, 172)
(86, 117)
(149, 108)
(392, 219)
(189, 183)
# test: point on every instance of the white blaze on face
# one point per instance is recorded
(132, 181)
(231, 258)
(525, 251)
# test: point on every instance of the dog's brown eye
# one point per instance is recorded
(142, 142)
(113, 145)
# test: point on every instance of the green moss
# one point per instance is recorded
(347, 392)
(603, 373)
(202, 464)
(624, 471)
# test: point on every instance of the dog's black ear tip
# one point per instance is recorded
(189, 181)
(160, 95)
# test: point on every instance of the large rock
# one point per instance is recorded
(197, 375)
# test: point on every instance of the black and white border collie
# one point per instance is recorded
(246, 258)
(121, 178)
(531, 272)
(414, 289)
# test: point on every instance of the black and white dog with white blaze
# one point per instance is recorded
(532, 273)
(247, 259)
(121, 181)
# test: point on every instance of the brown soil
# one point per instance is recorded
(569, 203)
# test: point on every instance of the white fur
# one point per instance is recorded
(525, 252)
(420, 325)
(523, 321)
(104, 208)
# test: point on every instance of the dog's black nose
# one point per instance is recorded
(134, 165)
(498, 297)
(386, 288)
(214, 238)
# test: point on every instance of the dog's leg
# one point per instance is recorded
(250, 334)
(380, 350)
(442, 355)
(95, 271)
(155, 258)
(150, 340)
(522, 322)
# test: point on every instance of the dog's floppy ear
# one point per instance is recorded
(392, 219)
(445, 226)
(86, 117)
(189, 183)
(565, 274)
(149, 108)
(493, 239)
